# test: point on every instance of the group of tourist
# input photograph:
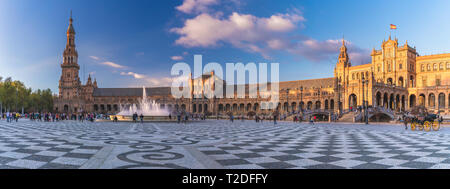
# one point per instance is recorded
(182, 117)
(47, 116)
(135, 118)
(11, 116)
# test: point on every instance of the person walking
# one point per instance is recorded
(135, 117)
(186, 118)
(142, 118)
(17, 116)
(405, 122)
(7, 117)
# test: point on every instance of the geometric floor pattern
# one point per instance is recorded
(219, 144)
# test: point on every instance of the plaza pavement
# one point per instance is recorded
(219, 144)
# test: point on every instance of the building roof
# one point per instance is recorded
(124, 92)
(310, 83)
(434, 56)
(166, 91)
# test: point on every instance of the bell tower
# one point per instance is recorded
(341, 73)
(342, 64)
(69, 83)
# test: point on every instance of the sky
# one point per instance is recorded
(135, 43)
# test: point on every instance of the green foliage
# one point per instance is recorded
(14, 96)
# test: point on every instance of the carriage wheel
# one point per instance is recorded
(413, 126)
(427, 126)
(436, 126)
(420, 126)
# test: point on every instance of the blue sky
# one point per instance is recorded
(134, 43)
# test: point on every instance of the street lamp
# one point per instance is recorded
(339, 96)
(364, 81)
(318, 93)
(301, 99)
(367, 102)
(287, 99)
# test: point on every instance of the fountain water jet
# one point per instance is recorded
(146, 107)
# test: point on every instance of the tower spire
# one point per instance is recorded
(343, 55)
(70, 30)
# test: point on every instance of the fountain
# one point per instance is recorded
(148, 108)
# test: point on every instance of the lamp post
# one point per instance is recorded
(367, 102)
(301, 99)
(287, 100)
(339, 96)
(318, 94)
(364, 81)
(364, 102)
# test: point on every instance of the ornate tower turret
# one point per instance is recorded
(95, 83)
(343, 55)
(89, 81)
(69, 83)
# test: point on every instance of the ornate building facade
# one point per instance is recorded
(397, 78)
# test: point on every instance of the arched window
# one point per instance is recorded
(318, 105)
(411, 81)
(422, 100)
(389, 81)
(441, 100)
(435, 67)
(400, 81)
(428, 67)
(441, 66)
(412, 101)
(431, 101)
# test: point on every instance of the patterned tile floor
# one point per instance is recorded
(219, 144)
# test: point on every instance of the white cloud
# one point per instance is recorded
(94, 57)
(196, 6)
(263, 35)
(149, 81)
(135, 75)
(327, 50)
(163, 81)
(114, 65)
(177, 58)
(243, 31)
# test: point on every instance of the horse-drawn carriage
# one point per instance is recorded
(422, 120)
(426, 122)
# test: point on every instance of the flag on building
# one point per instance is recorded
(393, 27)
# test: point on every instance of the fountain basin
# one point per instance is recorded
(126, 118)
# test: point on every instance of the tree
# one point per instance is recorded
(15, 96)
